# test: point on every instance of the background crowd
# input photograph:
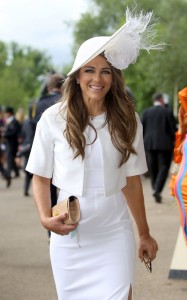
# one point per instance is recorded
(17, 129)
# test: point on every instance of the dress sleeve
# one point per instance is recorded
(177, 149)
(136, 163)
(41, 157)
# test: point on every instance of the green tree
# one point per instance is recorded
(3, 56)
(22, 71)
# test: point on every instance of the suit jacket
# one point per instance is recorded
(11, 134)
(45, 102)
(27, 136)
(52, 157)
(158, 128)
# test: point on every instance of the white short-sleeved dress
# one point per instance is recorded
(96, 262)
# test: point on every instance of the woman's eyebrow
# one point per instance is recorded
(91, 67)
(107, 68)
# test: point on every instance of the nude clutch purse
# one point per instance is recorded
(71, 207)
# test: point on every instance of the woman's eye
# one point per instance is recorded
(88, 71)
(106, 72)
(92, 71)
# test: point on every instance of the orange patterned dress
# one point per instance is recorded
(178, 182)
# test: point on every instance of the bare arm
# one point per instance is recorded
(41, 191)
(133, 193)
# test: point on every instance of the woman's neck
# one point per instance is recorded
(95, 110)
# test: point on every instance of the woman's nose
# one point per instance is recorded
(97, 76)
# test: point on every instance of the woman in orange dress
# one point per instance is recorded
(178, 182)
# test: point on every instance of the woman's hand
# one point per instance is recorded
(148, 244)
(133, 193)
(42, 197)
(56, 224)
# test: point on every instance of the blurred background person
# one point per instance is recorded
(159, 135)
(20, 115)
(3, 171)
(178, 181)
(50, 94)
(11, 135)
(24, 148)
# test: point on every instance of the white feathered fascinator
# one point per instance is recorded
(123, 47)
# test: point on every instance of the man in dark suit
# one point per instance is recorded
(11, 133)
(159, 135)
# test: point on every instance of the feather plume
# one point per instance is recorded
(136, 34)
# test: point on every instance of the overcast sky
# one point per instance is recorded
(41, 24)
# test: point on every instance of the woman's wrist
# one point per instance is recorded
(45, 221)
(144, 233)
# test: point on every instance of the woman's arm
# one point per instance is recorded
(41, 192)
(133, 193)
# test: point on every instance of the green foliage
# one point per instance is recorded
(3, 55)
(21, 72)
(96, 23)
(161, 71)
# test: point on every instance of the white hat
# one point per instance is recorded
(122, 48)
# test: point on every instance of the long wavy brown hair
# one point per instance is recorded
(120, 116)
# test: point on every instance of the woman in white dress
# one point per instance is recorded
(91, 145)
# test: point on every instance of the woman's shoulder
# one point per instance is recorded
(53, 109)
(52, 117)
(56, 111)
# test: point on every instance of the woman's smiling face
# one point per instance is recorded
(95, 79)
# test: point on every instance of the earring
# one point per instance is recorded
(78, 81)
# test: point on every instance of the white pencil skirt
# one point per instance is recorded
(97, 263)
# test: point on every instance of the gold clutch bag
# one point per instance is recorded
(71, 207)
